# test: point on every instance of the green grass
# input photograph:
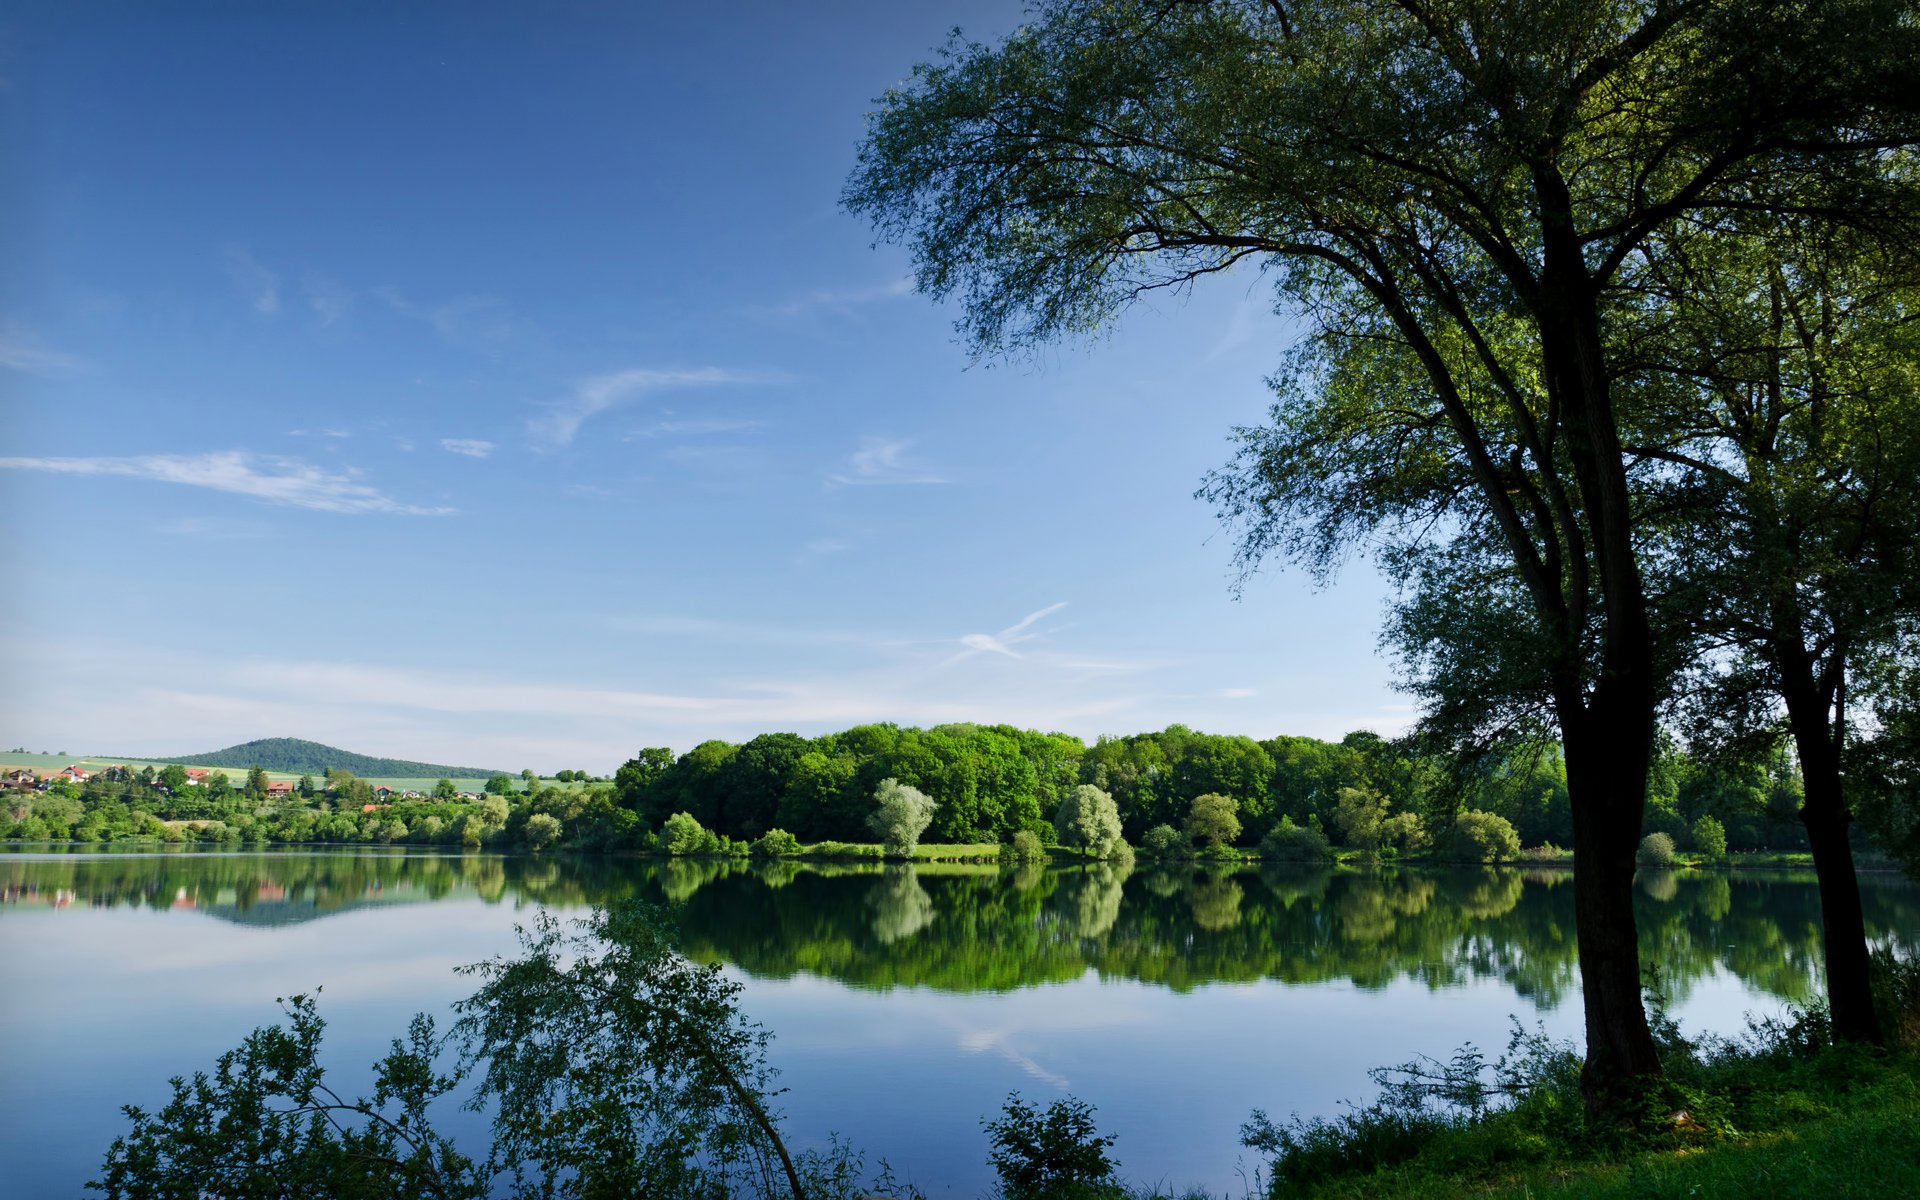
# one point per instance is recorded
(1779, 1114)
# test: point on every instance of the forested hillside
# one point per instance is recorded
(296, 756)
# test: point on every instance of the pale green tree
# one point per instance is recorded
(900, 815)
(1213, 819)
(1088, 821)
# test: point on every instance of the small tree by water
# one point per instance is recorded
(900, 815)
(1089, 821)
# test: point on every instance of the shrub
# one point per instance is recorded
(1288, 842)
(1214, 819)
(901, 814)
(1480, 837)
(1058, 1154)
(1164, 841)
(542, 830)
(1407, 832)
(1025, 847)
(682, 834)
(1710, 837)
(1656, 850)
(1089, 821)
(775, 843)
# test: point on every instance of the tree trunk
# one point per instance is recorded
(1607, 763)
(1844, 930)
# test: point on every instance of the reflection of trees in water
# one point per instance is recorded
(1027, 876)
(901, 907)
(974, 927)
(1215, 901)
(1095, 903)
(1293, 882)
(1164, 881)
(1659, 884)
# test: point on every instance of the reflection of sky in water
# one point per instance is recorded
(103, 1004)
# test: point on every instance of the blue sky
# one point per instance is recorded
(503, 385)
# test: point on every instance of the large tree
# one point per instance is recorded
(1473, 185)
(1786, 370)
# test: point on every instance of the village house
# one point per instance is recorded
(280, 787)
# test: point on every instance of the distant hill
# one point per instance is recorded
(296, 756)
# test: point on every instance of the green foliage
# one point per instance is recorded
(1052, 1154)
(683, 835)
(1709, 837)
(1087, 820)
(540, 831)
(1361, 816)
(900, 815)
(1656, 850)
(1213, 820)
(1479, 837)
(265, 1125)
(776, 843)
(499, 785)
(1288, 842)
(1024, 848)
(1164, 841)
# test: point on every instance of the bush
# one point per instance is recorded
(682, 834)
(1288, 842)
(1058, 1154)
(1480, 837)
(1164, 841)
(775, 843)
(1025, 847)
(542, 830)
(1710, 837)
(1656, 850)
(1407, 833)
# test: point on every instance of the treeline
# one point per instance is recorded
(991, 782)
(988, 783)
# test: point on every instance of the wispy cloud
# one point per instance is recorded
(840, 300)
(1237, 693)
(256, 282)
(273, 480)
(882, 461)
(471, 447)
(219, 528)
(22, 350)
(334, 434)
(473, 318)
(1005, 641)
(328, 300)
(697, 427)
(596, 394)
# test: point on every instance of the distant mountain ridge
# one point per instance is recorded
(298, 756)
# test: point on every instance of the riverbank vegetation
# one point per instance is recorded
(1175, 794)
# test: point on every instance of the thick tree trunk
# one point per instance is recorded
(1607, 762)
(1825, 814)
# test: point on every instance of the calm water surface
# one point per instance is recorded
(906, 1004)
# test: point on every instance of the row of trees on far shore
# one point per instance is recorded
(1173, 793)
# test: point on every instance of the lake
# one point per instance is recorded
(905, 1003)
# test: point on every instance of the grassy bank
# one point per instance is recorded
(1779, 1112)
